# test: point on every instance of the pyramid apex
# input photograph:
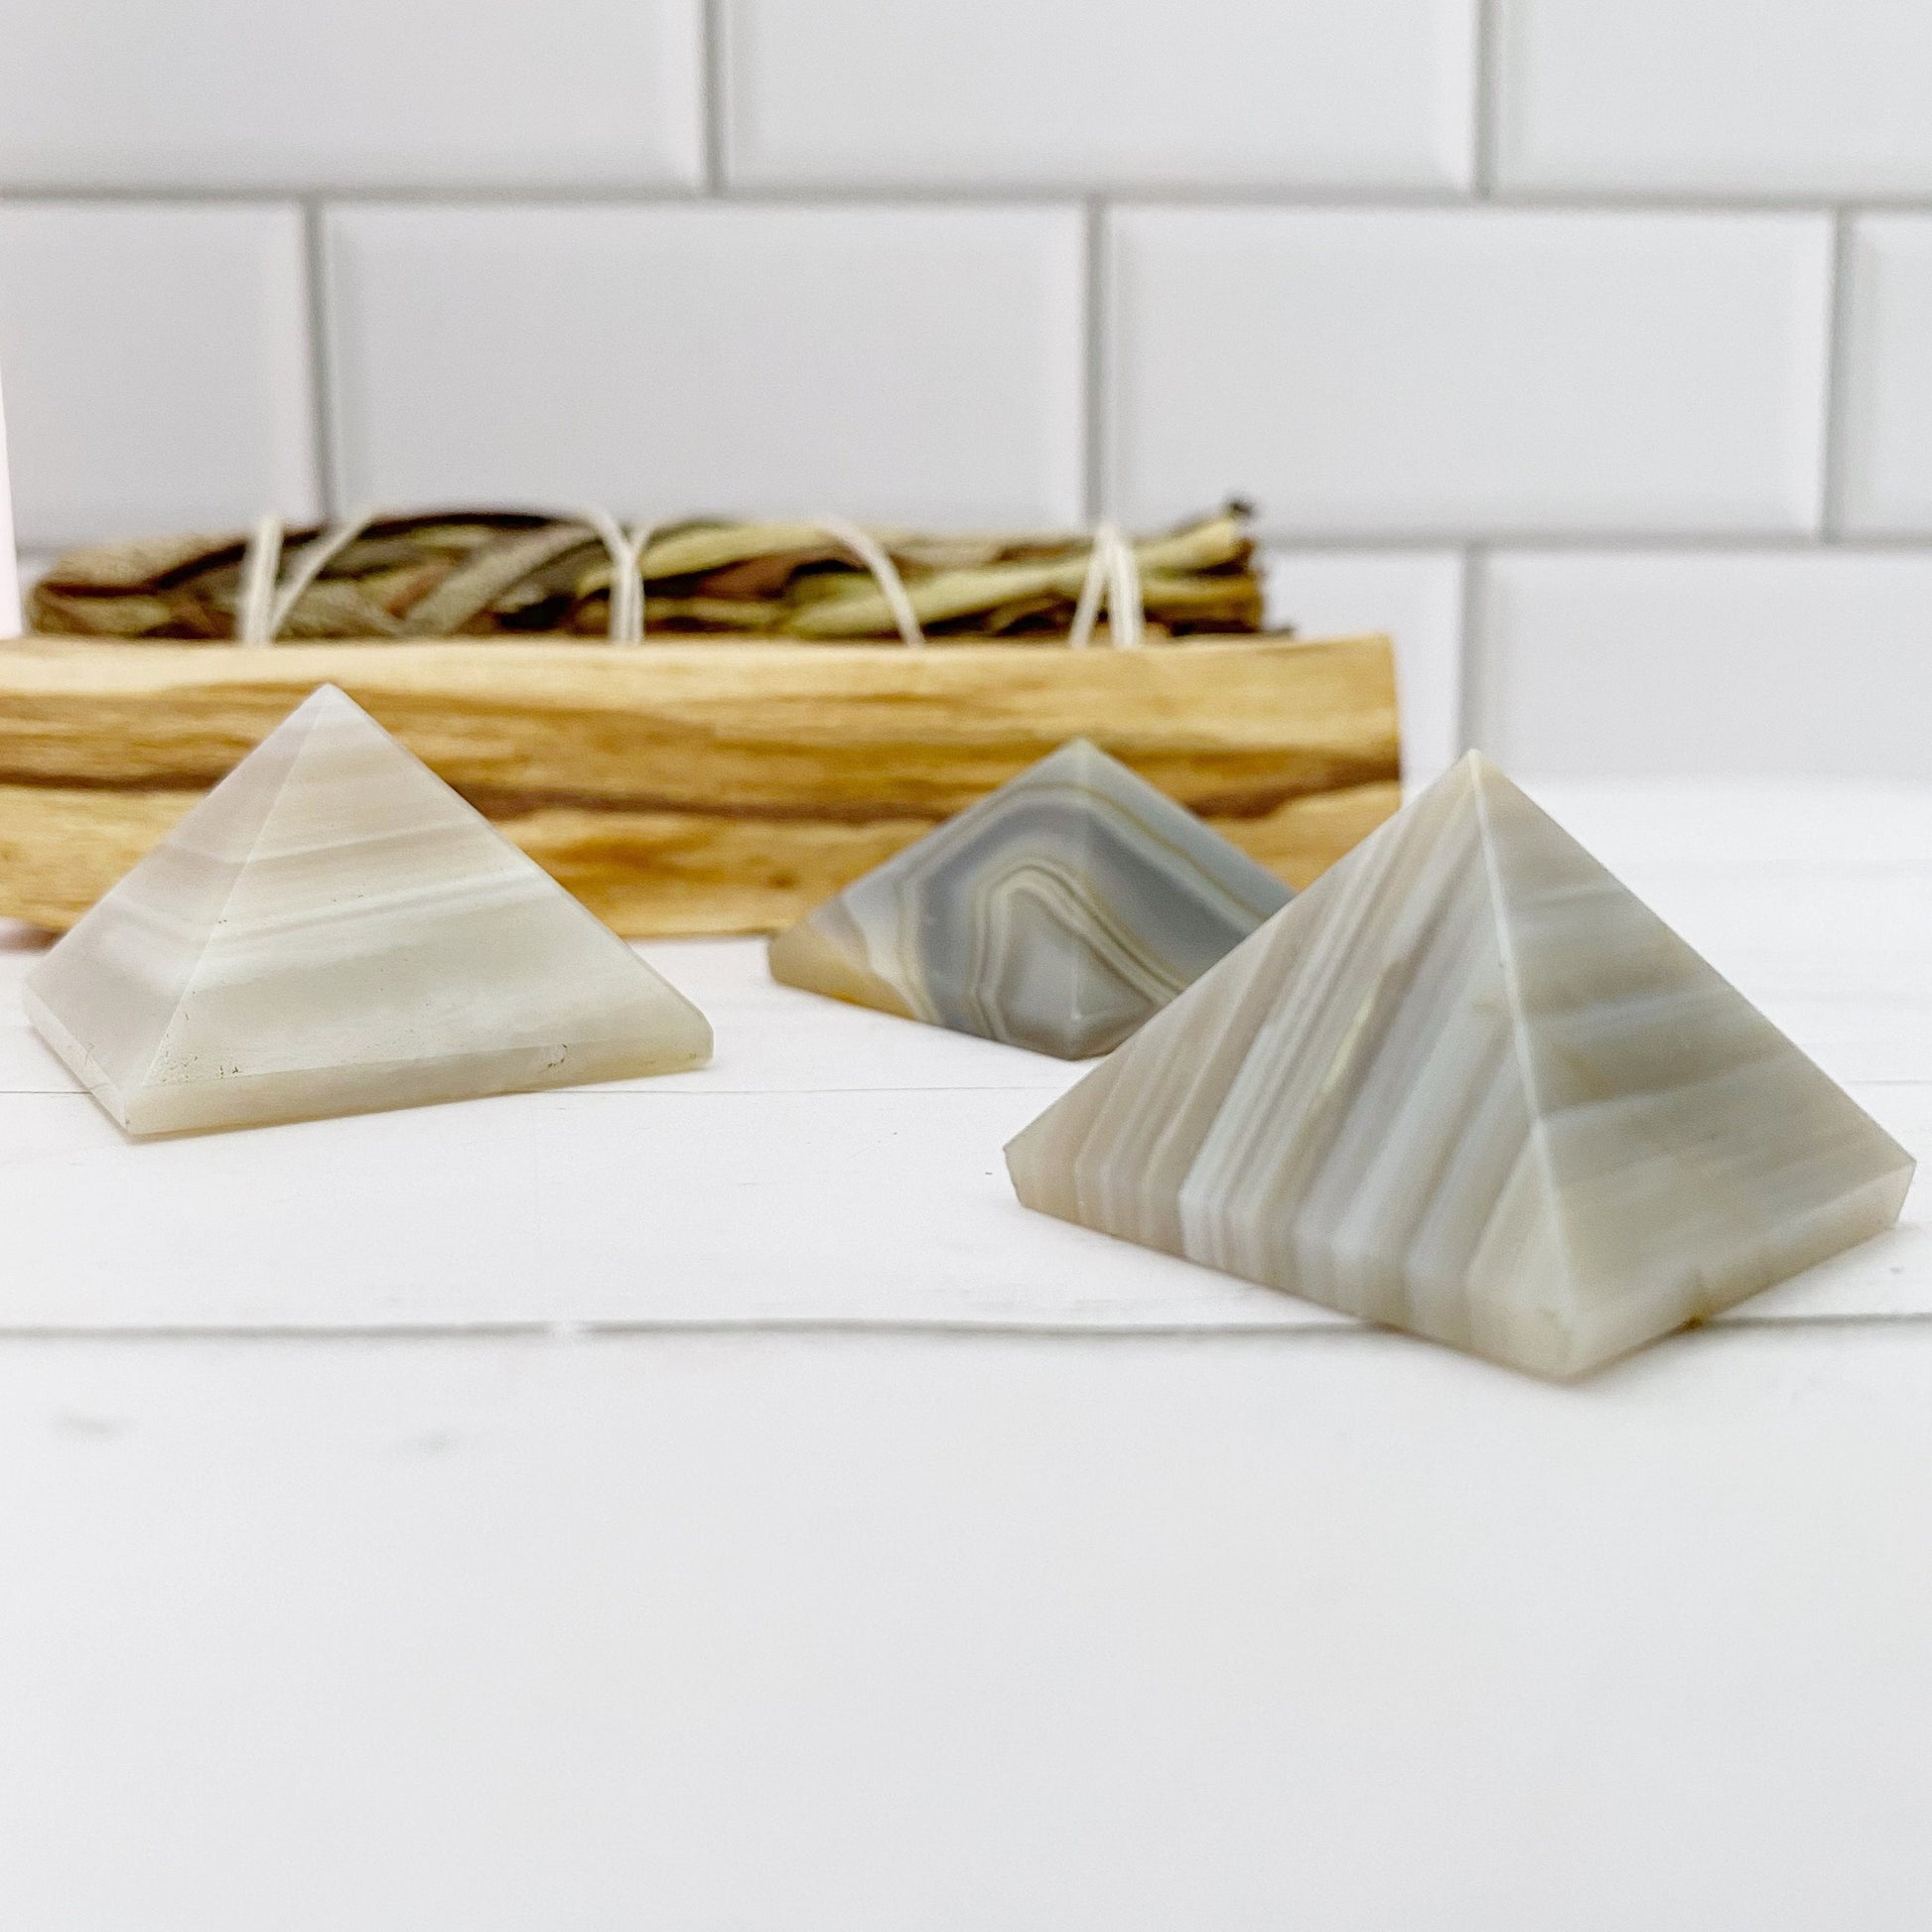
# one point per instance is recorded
(1478, 774)
(1487, 771)
(331, 700)
(323, 702)
(326, 697)
(1081, 752)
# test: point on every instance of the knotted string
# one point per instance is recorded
(626, 625)
(261, 562)
(265, 602)
(891, 586)
(264, 609)
(1112, 569)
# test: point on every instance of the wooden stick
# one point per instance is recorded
(697, 787)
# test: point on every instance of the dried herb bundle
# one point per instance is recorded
(505, 573)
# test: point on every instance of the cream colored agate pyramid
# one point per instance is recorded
(1057, 914)
(1467, 1084)
(332, 930)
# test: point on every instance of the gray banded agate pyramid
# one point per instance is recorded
(1057, 914)
(1469, 1086)
(332, 930)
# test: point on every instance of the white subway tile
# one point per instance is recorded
(1751, 664)
(380, 93)
(1429, 371)
(1079, 92)
(157, 368)
(1415, 597)
(1752, 97)
(901, 364)
(1888, 427)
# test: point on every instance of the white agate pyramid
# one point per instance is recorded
(1467, 1084)
(332, 930)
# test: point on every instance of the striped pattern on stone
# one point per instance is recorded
(333, 931)
(1057, 914)
(1469, 1086)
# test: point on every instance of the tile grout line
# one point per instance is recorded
(1833, 429)
(617, 1091)
(1468, 668)
(1484, 96)
(1013, 1090)
(322, 397)
(1312, 197)
(1094, 349)
(1723, 543)
(1320, 1325)
(712, 84)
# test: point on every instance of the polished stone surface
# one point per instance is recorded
(1469, 1085)
(1057, 914)
(333, 931)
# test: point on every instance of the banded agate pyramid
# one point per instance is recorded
(1058, 912)
(1468, 1085)
(332, 930)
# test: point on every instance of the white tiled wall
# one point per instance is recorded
(1686, 97)
(1470, 368)
(157, 366)
(1887, 474)
(1588, 347)
(1376, 93)
(886, 361)
(238, 94)
(1748, 664)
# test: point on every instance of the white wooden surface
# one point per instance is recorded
(716, 1506)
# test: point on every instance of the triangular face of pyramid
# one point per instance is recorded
(332, 930)
(1058, 912)
(1469, 1085)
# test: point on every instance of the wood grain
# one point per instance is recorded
(710, 788)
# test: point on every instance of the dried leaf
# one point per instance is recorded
(518, 574)
(140, 564)
(488, 575)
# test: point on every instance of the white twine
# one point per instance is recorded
(314, 559)
(1112, 569)
(264, 609)
(262, 563)
(891, 586)
(627, 625)
(631, 629)
(265, 602)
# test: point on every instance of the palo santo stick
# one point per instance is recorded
(697, 787)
